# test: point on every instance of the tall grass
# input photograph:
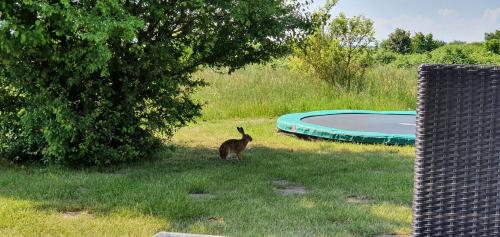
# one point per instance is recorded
(266, 91)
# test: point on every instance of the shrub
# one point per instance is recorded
(453, 55)
(338, 52)
(90, 82)
(411, 60)
(493, 46)
(385, 57)
(471, 53)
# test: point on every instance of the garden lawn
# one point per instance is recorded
(352, 190)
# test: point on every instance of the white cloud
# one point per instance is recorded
(446, 12)
(492, 15)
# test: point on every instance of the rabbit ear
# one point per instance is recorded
(240, 129)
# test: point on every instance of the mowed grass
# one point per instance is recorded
(353, 190)
(265, 91)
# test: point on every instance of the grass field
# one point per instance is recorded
(263, 91)
(351, 189)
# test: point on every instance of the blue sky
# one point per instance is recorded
(447, 20)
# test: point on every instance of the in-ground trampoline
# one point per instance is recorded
(386, 127)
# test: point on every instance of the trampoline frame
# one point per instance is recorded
(292, 123)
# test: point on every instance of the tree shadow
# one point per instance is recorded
(241, 190)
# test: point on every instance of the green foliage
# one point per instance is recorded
(424, 43)
(473, 53)
(383, 56)
(462, 53)
(90, 82)
(453, 55)
(492, 35)
(338, 51)
(493, 45)
(399, 41)
(411, 60)
(419, 43)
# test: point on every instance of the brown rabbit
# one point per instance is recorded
(234, 146)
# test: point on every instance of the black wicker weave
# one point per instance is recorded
(457, 166)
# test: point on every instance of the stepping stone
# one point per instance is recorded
(291, 190)
(212, 220)
(83, 190)
(216, 219)
(281, 182)
(172, 234)
(377, 171)
(286, 188)
(356, 200)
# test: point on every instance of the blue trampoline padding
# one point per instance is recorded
(292, 123)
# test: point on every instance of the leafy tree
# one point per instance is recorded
(354, 36)
(338, 52)
(419, 43)
(424, 43)
(399, 41)
(89, 82)
(492, 35)
(493, 45)
(492, 41)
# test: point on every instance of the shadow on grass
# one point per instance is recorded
(241, 191)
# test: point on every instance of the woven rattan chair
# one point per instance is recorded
(457, 166)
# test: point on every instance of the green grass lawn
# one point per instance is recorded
(353, 190)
